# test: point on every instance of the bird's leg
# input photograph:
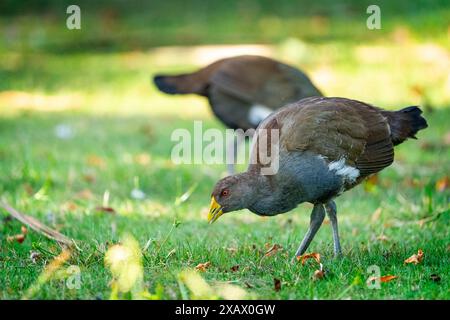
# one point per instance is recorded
(331, 212)
(317, 216)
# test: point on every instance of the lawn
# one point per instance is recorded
(83, 129)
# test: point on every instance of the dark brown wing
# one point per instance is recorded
(337, 128)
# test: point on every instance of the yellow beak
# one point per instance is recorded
(215, 211)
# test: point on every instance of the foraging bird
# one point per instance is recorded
(325, 147)
(242, 90)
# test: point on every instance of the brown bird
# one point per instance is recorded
(242, 90)
(325, 147)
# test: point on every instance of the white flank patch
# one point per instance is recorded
(258, 113)
(347, 172)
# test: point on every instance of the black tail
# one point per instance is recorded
(405, 123)
(164, 85)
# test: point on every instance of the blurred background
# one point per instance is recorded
(84, 133)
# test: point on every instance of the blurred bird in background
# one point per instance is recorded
(242, 90)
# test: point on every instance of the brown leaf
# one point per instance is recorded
(235, 268)
(314, 255)
(23, 230)
(387, 278)
(382, 237)
(415, 258)
(276, 284)
(105, 209)
(442, 184)
(203, 266)
(96, 161)
(382, 279)
(318, 275)
(18, 237)
(272, 250)
(85, 194)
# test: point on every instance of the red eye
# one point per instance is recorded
(224, 192)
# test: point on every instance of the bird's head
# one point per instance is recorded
(230, 194)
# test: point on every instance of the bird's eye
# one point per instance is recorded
(224, 192)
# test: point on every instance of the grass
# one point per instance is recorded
(121, 141)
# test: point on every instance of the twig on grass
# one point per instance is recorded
(38, 226)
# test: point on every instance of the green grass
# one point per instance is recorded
(98, 83)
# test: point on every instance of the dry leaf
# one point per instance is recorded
(387, 278)
(318, 274)
(105, 209)
(277, 284)
(382, 279)
(85, 194)
(18, 237)
(376, 215)
(234, 268)
(232, 250)
(382, 237)
(23, 230)
(442, 184)
(314, 255)
(415, 258)
(272, 250)
(96, 161)
(202, 266)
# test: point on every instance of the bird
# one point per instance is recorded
(325, 146)
(242, 90)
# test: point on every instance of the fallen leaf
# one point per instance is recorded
(277, 284)
(202, 266)
(89, 178)
(96, 161)
(383, 279)
(85, 194)
(24, 230)
(376, 215)
(442, 184)
(143, 159)
(105, 209)
(435, 277)
(18, 237)
(234, 268)
(382, 237)
(318, 274)
(415, 258)
(314, 255)
(232, 250)
(272, 250)
(387, 278)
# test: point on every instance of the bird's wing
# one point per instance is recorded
(336, 129)
(256, 80)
